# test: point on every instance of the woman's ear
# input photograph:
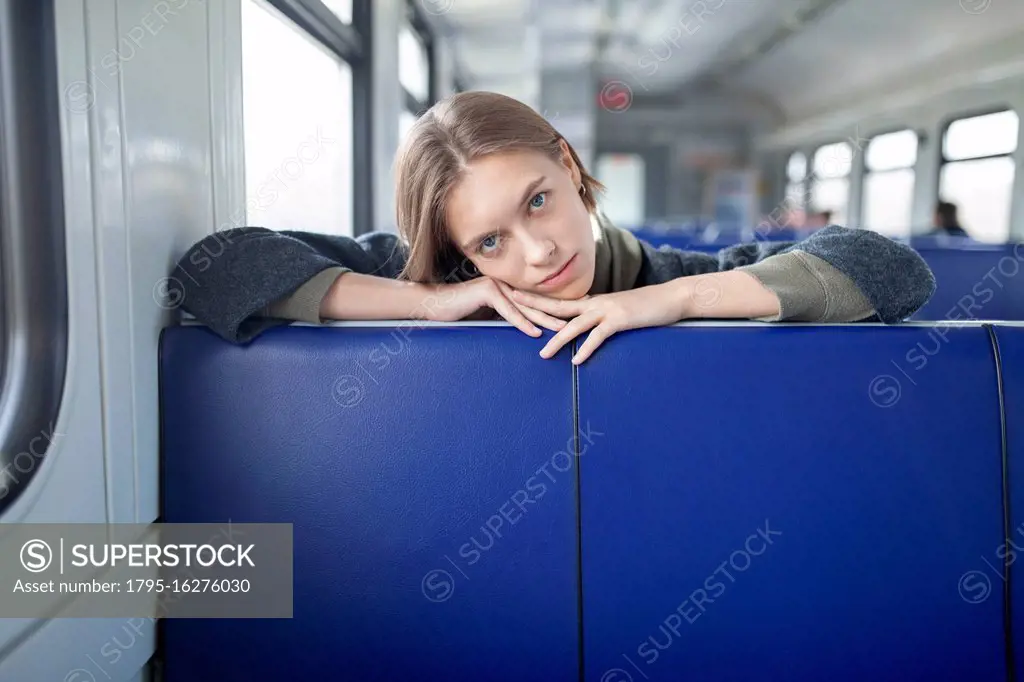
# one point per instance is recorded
(570, 163)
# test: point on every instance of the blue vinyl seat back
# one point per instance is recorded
(753, 502)
(791, 503)
(1006, 560)
(941, 240)
(690, 241)
(697, 241)
(975, 281)
(423, 469)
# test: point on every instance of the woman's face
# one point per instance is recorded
(519, 217)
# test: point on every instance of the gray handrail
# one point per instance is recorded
(33, 277)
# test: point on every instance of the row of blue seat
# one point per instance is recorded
(691, 236)
(714, 239)
(710, 502)
(973, 280)
(982, 282)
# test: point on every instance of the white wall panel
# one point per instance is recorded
(168, 205)
(142, 140)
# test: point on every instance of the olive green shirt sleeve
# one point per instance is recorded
(809, 289)
(303, 305)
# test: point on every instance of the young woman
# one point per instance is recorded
(497, 216)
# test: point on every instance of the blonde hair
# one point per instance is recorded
(437, 150)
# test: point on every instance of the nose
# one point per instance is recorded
(537, 249)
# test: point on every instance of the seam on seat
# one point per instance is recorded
(1011, 673)
(579, 510)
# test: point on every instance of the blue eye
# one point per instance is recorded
(542, 196)
(487, 243)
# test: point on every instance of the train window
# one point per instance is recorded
(624, 176)
(796, 176)
(979, 136)
(889, 182)
(892, 151)
(796, 168)
(833, 161)
(341, 9)
(405, 121)
(830, 181)
(34, 293)
(298, 130)
(983, 192)
(978, 172)
(413, 64)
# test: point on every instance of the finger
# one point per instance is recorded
(541, 318)
(554, 306)
(536, 316)
(511, 313)
(577, 326)
(595, 338)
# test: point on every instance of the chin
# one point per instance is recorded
(573, 290)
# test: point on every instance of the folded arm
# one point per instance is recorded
(242, 281)
(835, 275)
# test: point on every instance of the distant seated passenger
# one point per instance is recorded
(818, 220)
(497, 215)
(946, 221)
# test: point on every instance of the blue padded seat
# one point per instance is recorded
(428, 543)
(790, 503)
(694, 241)
(720, 501)
(1008, 557)
(975, 281)
(689, 241)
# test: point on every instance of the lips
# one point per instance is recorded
(559, 271)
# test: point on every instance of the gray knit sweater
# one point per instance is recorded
(242, 281)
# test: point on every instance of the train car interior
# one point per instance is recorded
(241, 431)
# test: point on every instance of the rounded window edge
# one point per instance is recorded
(953, 119)
(32, 245)
(898, 158)
(796, 167)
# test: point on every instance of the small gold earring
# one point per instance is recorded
(583, 190)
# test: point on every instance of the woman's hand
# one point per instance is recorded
(722, 294)
(453, 302)
(604, 315)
